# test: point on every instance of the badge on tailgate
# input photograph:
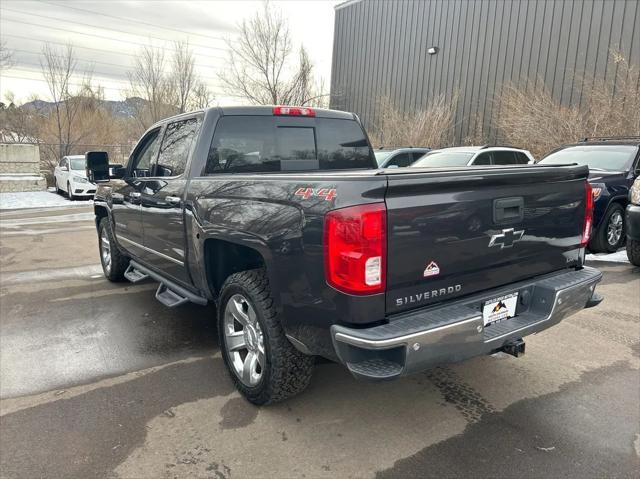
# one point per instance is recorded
(498, 309)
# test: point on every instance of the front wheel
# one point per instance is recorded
(264, 365)
(633, 251)
(611, 234)
(70, 192)
(114, 263)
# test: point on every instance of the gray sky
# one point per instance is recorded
(107, 33)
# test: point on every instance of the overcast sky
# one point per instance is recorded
(106, 34)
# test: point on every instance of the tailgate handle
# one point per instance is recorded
(508, 210)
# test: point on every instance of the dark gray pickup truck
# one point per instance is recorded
(280, 216)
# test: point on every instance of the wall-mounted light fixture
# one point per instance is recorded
(432, 50)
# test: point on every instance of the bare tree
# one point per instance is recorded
(183, 76)
(201, 97)
(6, 56)
(260, 64)
(150, 82)
(18, 124)
(58, 69)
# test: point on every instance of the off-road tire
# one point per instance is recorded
(599, 243)
(119, 261)
(633, 251)
(288, 371)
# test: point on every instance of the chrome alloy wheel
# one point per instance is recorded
(244, 340)
(105, 250)
(614, 228)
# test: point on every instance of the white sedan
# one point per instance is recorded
(70, 177)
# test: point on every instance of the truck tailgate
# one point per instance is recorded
(452, 233)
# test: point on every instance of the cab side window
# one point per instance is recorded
(504, 157)
(176, 147)
(521, 158)
(144, 155)
(401, 160)
(483, 159)
(63, 163)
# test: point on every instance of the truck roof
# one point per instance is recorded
(267, 110)
(257, 110)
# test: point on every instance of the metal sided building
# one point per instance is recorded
(414, 50)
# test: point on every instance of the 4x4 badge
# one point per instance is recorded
(506, 239)
(432, 269)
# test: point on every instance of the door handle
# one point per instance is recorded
(508, 210)
(134, 197)
(174, 200)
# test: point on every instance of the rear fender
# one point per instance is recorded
(273, 230)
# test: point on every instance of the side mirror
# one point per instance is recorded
(97, 166)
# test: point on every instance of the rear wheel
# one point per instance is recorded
(633, 251)
(114, 263)
(55, 184)
(264, 365)
(611, 234)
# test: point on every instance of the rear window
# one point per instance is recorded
(248, 144)
(444, 158)
(596, 157)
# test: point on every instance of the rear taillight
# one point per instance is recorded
(588, 214)
(293, 111)
(355, 248)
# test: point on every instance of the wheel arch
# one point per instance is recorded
(100, 211)
(223, 258)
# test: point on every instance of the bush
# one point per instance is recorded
(432, 127)
(531, 118)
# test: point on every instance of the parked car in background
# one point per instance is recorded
(398, 157)
(633, 224)
(70, 177)
(613, 165)
(475, 155)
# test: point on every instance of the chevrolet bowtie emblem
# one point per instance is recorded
(506, 239)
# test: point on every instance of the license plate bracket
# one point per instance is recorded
(500, 308)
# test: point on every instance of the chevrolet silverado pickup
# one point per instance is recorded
(281, 218)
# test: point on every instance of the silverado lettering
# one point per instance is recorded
(415, 298)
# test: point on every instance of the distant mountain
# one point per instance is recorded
(120, 109)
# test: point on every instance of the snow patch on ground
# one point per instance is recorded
(619, 256)
(36, 199)
(20, 178)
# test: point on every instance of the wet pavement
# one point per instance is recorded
(100, 380)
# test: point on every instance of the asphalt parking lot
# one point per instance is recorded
(100, 380)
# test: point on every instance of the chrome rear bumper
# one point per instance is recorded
(453, 332)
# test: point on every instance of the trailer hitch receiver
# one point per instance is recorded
(514, 348)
